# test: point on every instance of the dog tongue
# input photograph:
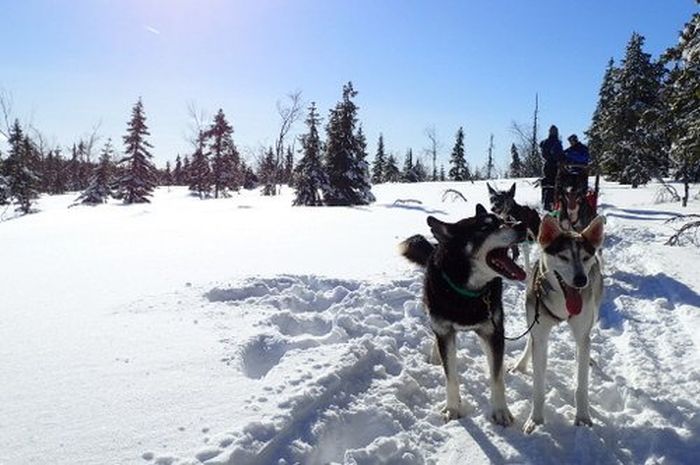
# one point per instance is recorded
(573, 300)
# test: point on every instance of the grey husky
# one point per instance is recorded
(566, 286)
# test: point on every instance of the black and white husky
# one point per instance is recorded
(504, 205)
(566, 285)
(462, 291)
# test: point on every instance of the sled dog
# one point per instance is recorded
(504, 205)
(566, 285)
(462, 291)
(575, 213)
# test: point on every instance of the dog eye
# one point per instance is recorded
(563, 258)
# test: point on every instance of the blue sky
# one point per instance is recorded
(70, 64)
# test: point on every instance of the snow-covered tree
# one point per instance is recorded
(345, 162)
(288, 171)
(267, 173)
(601, 132)
(379, 162)
(99, 190)
(407, 174)
(516, 166)
(199, 172)
(138, 173)
(391, 170)
(224, 156)
(177, 171)
(638, 84)
(459, 170)
(20, 177)
(683, 101)
(360, 175)
(167, 177)
(420, 173)
(309, 178)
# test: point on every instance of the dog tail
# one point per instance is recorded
(416, 249)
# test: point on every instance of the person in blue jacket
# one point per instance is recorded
(576, 154)
(553, 154)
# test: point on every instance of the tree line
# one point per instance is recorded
(646, 124)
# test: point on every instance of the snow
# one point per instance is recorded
(245, 331)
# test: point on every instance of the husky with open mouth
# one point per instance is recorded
(462, 291)
(566, 285)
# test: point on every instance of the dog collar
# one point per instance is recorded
(461, 290)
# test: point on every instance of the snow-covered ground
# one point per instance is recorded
(244, 331)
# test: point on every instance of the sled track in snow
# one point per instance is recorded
(346, 362)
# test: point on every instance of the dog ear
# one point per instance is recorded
(549, 230)
(440, 230)
(594, 231)
(511, 191)
(492, 191)
(480, 210)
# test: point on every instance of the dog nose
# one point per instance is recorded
(580, 280)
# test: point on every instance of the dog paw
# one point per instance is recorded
(531, 424)
(583, 421)
(502, 416)
(454, 413)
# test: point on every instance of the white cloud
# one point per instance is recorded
(152, 30)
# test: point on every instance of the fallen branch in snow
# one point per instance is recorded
(403, 201)
(689, 230)
(682, 217)
(664, 191)
(455, 195)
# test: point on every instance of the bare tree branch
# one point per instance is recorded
(453, 194)
(289, 114)
(198, 119)
(432, 150)
(688, 231)
(6, 113)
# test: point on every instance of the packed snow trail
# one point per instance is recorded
(246, 331)
(343, 368)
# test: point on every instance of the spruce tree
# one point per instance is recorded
(177, 171)
(99, 190)
(407, 174)
(442, 172)
(684, 104)
(490, 166)
(639, 82)
(167, 175)
(309, 179)
(267, 173)
(379, 162)
(459, 170)
(359, 173)
(224, 156)
(22, 181)
(601, 132)
(516, 166)
(391, 170)
(139, 175)
(186, 168)
(345, 161)
(419, 171)
(250, 179)
(199, 172)
(288, 171)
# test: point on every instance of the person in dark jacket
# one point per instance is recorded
(553, 154)
(577, 155)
